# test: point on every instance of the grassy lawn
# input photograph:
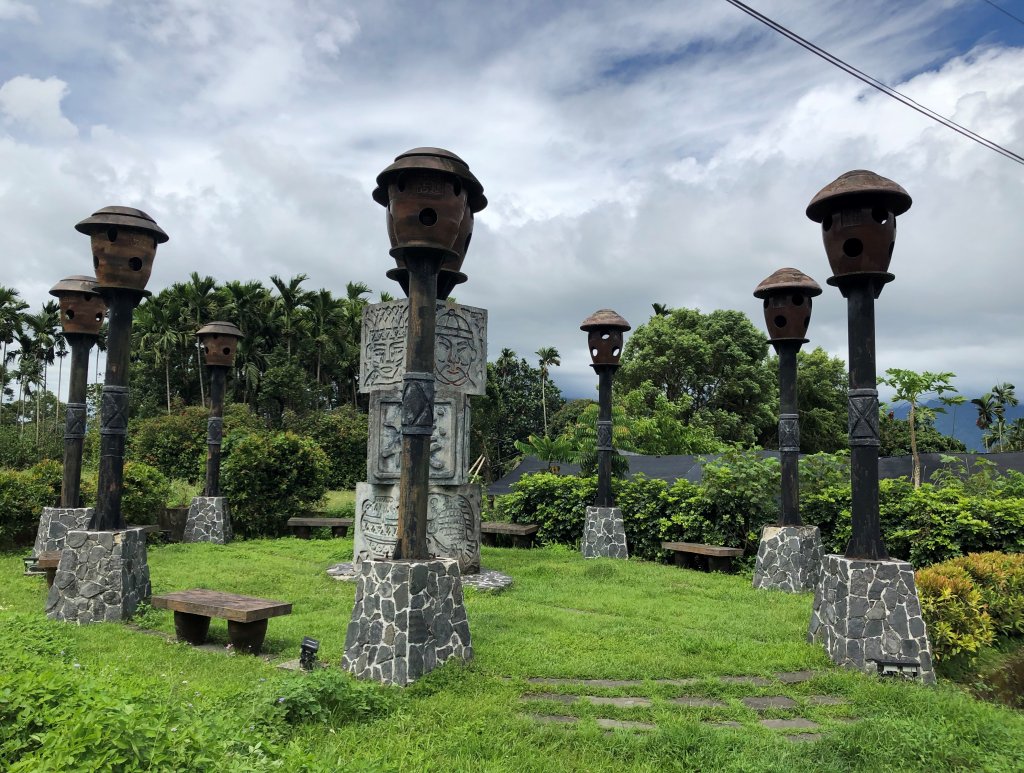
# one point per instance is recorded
(337, 500)
(563, 618)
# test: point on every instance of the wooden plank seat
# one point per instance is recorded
(303, 526)
(695, 555)
(47, 561)
(247, 616)
(521, 533)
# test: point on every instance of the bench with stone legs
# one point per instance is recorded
(521, 533)
(247, 616)
(695, 555)
(303, 527)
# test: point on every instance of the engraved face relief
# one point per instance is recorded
(455, 351)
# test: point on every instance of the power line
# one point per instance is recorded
(1003, 10)
(877, 84)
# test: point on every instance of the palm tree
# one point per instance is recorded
(155, 331)
(1005, 397)
(548, 356)
(288, 303)
(11, 322)
(661, 309)
(986, 405)
(352, 314)
(200, 303)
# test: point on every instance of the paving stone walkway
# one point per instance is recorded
(792, 726)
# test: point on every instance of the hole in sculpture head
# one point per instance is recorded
(605, 336)
(70, 313)
(826, 222)
(428, 216)
(112, 234)
(226, 350)
(401, 183)
(87, 297)
(798, 299)
(852, 248)
(615, 352)
(880, 215)
(593, 352)
(99, 316)
(780, 321)
(457, 186)
(135, 264)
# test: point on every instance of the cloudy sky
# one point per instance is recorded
(632, 152)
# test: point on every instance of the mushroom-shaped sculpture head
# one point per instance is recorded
(81, 308)
(857, 212)
(787, 298)
(431, 197)
(220, 342)
(124, 244)
(604, 336)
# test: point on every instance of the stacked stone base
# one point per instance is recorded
(603, 534)
(55, 523)
(788, 559)
(409, 617)
(208, 521)
(867, 616)
(102, 576)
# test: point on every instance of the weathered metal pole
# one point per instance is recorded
(789, 433)
(605, 448)
(215, 429)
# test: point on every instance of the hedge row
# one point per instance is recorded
(969, 600)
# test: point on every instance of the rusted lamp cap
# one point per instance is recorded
(605, 319)
(219, 329)
(437, 159)
(785, 280)
(859, 183)
(124, 217)
(81, 284)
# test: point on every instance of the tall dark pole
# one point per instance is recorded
(121, 304)
(605, 449)
(215, 429)
(74, 418)
(417, 403)
(789, 433)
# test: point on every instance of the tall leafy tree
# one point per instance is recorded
(1005, 397)
(821, 387)
(547, 356)
(986, 405)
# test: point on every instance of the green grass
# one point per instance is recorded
(338, 501)
(564, 617)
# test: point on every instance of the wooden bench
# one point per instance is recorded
(247, 616)
(303, 527)
(47, 561)
(521, 533)
(694, 555)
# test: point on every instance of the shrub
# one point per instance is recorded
(144, 494)
(556, 503)
(341, 434)
(268, 477)
(999, 578)
(22, 498)
(954, 611)
(324, 695)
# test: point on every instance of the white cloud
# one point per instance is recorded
(34, 106)
(14, 10)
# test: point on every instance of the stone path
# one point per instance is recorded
(792, 726)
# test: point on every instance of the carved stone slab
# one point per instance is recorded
(453, 523)
(449, 443)
(460, 347)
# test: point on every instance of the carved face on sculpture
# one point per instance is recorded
(456, 350)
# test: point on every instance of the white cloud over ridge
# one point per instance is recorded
(662, 154)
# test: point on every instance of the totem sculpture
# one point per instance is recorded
(789, 556)
(412, 538)
(103, 572)
(209, 519)
(603, 533)
(866, 609)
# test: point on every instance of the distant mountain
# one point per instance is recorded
(959, 421)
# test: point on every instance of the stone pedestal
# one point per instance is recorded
(55, 523)
(453, 523)
(603, 534)
(102, 576)
(788, 559)
(408, 618)
(868, 617)
(208, 521)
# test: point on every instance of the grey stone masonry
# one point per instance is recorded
(868, 617)
(788, 559)
(453, 523)
(102, 576)
(603, 534)
(409, 618)
(55, 523)
(209, 520)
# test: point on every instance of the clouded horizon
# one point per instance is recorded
(631, 155)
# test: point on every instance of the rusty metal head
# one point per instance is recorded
(81, 308)
(220, 342)
(787, 295)
(124, 244)
(604, 336)
(431, 197)
(857, 212)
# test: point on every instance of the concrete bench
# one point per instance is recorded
(303, 527)
(247, 616)
(695, 555)
(521, 533)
